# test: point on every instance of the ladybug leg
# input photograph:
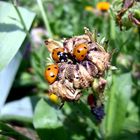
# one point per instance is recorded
(62, 104)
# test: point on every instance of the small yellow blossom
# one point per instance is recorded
(53, 98)
(89, 8)
(135, 30)
(103, 6)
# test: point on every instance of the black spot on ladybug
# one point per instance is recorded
(78, 51)
(55, 67)
(49, 69)
(85, 47)
(82, 55)
(53, 53)
(52, 75)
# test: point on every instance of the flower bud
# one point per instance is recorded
(53, 98)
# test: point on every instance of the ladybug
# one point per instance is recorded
(59, 55)
(80, 51)
(51, 73)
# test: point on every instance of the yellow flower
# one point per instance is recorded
(89, 8)
(103, 6)
(53, 98)
(135, 30)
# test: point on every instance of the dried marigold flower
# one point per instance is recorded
(87, 60)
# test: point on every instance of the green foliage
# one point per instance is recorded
(119, 97)
(47, 123)
(67, 123)
(12, 34)
(66, 18)
(10, 132)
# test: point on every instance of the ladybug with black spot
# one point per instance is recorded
(51, 73)
(59, 55)
(80, 51)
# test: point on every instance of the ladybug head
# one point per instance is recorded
(63, 57)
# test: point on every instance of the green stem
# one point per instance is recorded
(109, 114)
(112, 29)
(22, 21)
(45, 18)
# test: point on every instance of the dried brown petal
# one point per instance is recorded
(52, 44)
(69, 44)
(90, 67)
(134, 20)
(100, 60)
(128, 3)
(85, 77)
(99, 85)
(65, 90)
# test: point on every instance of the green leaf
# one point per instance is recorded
(12, 34)
(6, 83)
(74, 119)
(19, 110)
(8, 131)
(47, 123)
(118, 99)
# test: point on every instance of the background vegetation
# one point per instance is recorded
(25, 104)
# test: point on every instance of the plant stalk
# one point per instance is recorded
(45, 18)
(22, 21)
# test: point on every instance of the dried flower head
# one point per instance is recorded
(87, 60)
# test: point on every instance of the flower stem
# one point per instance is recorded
(45, 18)
(22, 21)
(112, 29)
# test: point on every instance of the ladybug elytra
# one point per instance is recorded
(80, 51)
(51, 73)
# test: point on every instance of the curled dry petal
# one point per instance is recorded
(69, 44)
(65, 91)
(85, 77)
(134, 20)
(52, 44)
(90, 67)
(100, 60)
